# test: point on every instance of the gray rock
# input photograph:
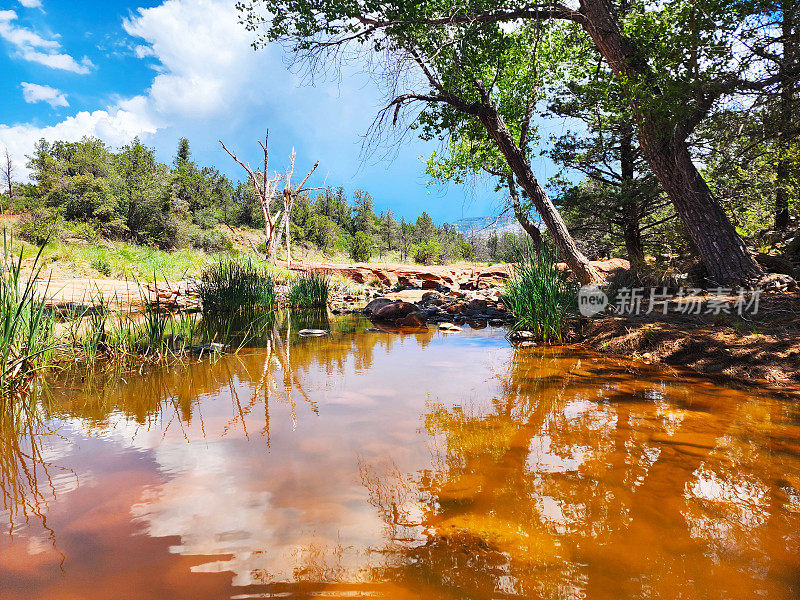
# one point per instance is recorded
(449, 327)
(312, 332)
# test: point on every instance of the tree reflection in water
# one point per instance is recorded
(562, 475)
(591, 483)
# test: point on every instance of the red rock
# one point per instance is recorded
(394, 310)
(412, 320)
(455, 309)
(430, 284)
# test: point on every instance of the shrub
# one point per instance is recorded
(361, 248)
(234, 286)
(309, 290)
(539, 295)
(41, 226)
(102, 266)
(211, 240)
(426, 253)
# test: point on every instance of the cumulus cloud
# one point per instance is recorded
(33, 92)
(209, 83)
(32, 47)
(31, 3)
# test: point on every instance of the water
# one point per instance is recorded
(417, 465)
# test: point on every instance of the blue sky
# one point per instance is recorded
(166, 69)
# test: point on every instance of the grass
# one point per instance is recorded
(121, 260)
(539, 295)
(26, 328)
(309, 290)
(235, 286)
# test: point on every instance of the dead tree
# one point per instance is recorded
(266, 190)
(289, 196)
(8, 175)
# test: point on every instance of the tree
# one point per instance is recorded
(675, 61)
(620, 200)
(266, 191)
(183, 153)
(363, 212)
(8, 175)
(470, 78)
(143, 183)
(405, 235)
(361, 250)
(388, 227)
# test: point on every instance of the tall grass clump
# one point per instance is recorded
(539, 295)
(27, 328)
(231, 286)
(309, 290)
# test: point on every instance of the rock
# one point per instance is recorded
(376, 304)
(428, 296)
(455, 309)
(394, 311)
(521, 335)
(497, 322)
(312, 332)
(430, 284)
(449, 327)
(477, 324)
(475, 306)
(411, 320)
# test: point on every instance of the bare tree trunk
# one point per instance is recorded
(519, 165)
(786, 121)
(8, 175)
(721, 249)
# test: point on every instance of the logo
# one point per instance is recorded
(591, 300)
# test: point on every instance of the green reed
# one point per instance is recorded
(539, 295)
(309, 290)
(236, 286)
(27, 337)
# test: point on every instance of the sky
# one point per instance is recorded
(185, 68)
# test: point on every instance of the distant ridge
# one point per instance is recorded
(484, 226)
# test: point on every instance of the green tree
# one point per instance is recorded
(676, 61)
(361, 249)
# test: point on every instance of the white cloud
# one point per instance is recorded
(32, 47)
(33, 92)
(31, 3)
(208, 84)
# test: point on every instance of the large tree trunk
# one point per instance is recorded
(786, 122)
(631, 231)
(721, 249)
(519, 165)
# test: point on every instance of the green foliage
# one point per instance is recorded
(41, 226)
(426, 253)
(539, 295)
(236, 286)
(361, 248)
(309, 290)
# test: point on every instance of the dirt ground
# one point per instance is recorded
(760, 350)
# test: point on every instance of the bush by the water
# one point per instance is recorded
(539, 295)
(309, 290)
(234, 286)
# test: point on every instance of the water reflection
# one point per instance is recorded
(410, 465)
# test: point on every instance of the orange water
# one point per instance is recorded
(419, 465)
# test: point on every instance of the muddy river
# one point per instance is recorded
(401, 465)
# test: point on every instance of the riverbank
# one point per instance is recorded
(761, 349)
